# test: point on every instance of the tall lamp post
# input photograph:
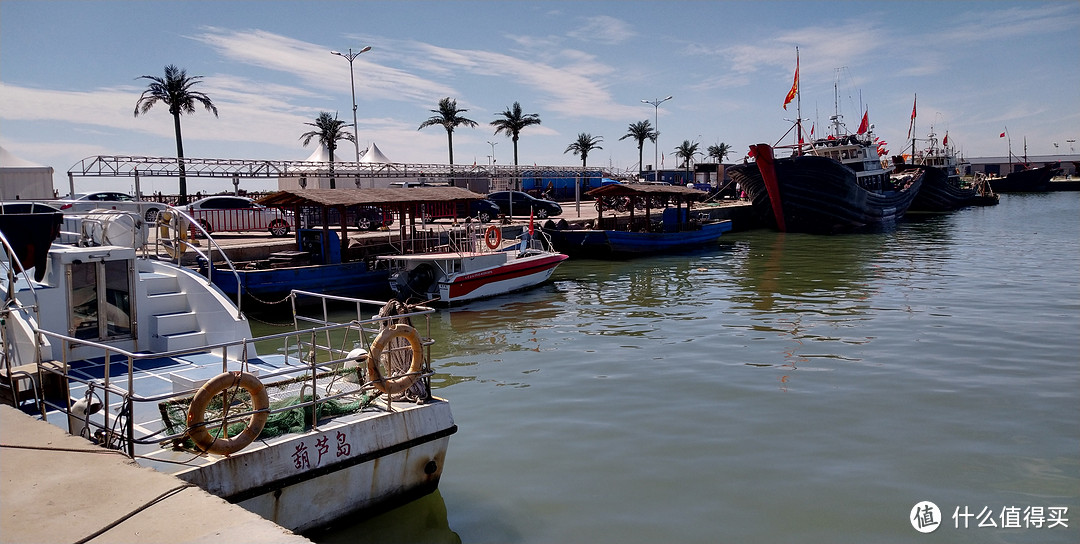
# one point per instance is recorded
(350, 56)
(656, 126)
(492, 144)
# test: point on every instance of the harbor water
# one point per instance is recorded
(779, 388)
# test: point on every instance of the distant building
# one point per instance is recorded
(999, 166)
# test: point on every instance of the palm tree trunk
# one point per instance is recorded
(640, 167)
(330, 148)
(450, 142)
(180, 159)
(515, 150)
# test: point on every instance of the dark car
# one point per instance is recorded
(484, 210)
(361, 217)
(523, 203)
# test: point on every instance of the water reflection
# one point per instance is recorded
(422, 520)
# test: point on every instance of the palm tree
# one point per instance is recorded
(448, 116)
(330, 130)
(175, 90)
(719, 152)
(512, 123)
(640, 131)
(584, 144)
(686, 151)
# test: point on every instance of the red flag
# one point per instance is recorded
(913, 106)
(945, 142)
(795, 84)
(865, 124)
(1002, 135)
(811, 132)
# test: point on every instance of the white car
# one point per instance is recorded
(237, 213)
(109, 200)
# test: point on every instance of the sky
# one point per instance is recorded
(69, 76)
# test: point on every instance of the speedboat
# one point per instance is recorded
(468, 265)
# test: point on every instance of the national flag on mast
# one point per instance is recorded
(945, 142)
(865, 124)
(795, 84)
(1002, 135)
(911, 125)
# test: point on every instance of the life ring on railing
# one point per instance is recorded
(197, 413)
(166, 224)
(493, 237)
(396, 384)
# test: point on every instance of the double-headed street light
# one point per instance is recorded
(656, 127)
(350, 56)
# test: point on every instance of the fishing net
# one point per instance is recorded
(285, 394)
(345, 383)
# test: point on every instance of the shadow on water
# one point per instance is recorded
(422, 520)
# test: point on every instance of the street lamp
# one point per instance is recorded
(350, 56)
(656, 127)
(492, 144)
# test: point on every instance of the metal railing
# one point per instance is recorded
(307, 354)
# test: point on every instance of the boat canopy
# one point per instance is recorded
(647, 190)
(367, 197)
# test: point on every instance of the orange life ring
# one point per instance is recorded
(197, 413)
(493, 237)
(396, 384)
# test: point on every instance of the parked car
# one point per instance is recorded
(484, 210)
(237, 213)
(110, 200)
(523, 203)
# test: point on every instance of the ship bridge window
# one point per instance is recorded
(101, 305)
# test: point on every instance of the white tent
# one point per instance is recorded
(317, 176)
(23, 180)
(374, 155)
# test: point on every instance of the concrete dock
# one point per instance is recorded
(55, 487)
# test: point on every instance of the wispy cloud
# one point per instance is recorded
(604, 29)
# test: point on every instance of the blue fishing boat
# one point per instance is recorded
(323, 262)
(638, 234)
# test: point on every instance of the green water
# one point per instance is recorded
(781, 388)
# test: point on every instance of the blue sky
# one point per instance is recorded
(68, 74)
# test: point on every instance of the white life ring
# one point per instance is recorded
(197, 413)
(396, 384)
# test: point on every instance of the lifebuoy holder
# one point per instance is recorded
(493, 237)
(167, 221)
(395, 384)
(196, 420)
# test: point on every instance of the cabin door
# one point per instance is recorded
(100, 299)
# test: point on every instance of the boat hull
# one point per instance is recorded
(517, 275)
(1035, 180)
(349, 467)
(352, 279)
(614, 244)
(819, 195)
(940, 193)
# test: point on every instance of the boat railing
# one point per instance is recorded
(314, 360)
(175, 227)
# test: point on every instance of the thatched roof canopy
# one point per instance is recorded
(647, 190)
(367, 197)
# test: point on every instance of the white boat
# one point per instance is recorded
(472, 266)
(151, 359)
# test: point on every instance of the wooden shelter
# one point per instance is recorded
(402, 202)
(646, 195)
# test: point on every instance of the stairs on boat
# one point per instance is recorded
(173, 325)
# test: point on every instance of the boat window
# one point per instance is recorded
(100, 300)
